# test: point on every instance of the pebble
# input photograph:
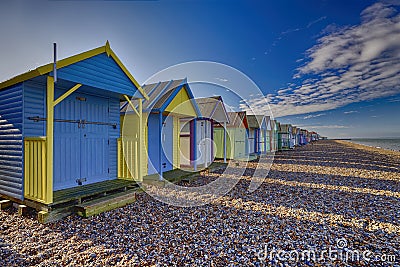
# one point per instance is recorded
(312, 197)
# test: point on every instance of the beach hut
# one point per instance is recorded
(295, 137)
(285, 132)
(256, 126)
(266, 136)
(236, 137)
(169, 103)
(292, 137)
(303, 137)
(60, 127)
(279, 136)
(213, 112)
(274, 135)
(314, 136)
(308, 137)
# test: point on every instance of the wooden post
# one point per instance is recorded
(224, 142)
(141, 144)
(49, 140)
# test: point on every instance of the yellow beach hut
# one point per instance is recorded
(169, 103)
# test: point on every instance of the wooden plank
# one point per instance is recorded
(90, 190)
(107, 203)
(54, 215)
(4, 204)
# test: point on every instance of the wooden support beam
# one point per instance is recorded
(132, 106)
(66, 94)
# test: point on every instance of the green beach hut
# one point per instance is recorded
(236, 137)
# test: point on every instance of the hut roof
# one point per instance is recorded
(236, 120)
(255, 121)
(160, 94)
(213, 108)
(45, 69)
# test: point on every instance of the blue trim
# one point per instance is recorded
(171, 97)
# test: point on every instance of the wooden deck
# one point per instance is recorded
(178, 175)
(85, 191)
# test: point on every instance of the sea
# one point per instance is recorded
(383, 143)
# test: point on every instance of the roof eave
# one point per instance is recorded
(69, 61)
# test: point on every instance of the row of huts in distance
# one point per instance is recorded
(84, 126)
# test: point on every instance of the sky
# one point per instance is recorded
(325, 65)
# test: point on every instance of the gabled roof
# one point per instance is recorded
(213, 108)
(161, 94)
(255, 121)
(236, 120)
(45, 69)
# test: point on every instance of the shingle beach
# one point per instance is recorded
(327, 196)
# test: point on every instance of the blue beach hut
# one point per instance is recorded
(256, 133)
(61, 132)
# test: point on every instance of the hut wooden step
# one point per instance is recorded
(106, 203)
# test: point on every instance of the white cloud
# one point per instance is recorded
(314, 116)
(222, 80)
(315, 21)
(350, 112)
(347, 65)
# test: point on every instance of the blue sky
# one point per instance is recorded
(326, 65)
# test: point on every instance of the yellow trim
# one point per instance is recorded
(36, 138)
(69, 61)
(130, 104)
(66, 94)
(50, 140)
(140, 147)
(35, 179)
(182, 104)
(176, 143)
(108, 48)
